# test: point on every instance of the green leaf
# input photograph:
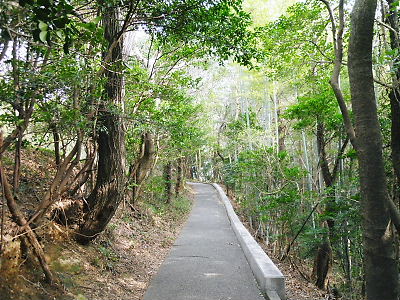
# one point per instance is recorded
(60, 34)
(43, 26)
(395, 4)
(43, 36)
(96, 20)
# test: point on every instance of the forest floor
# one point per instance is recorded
(117, 265)
(297, 287)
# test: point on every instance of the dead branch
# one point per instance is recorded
(60, 180)
(298, 233)
(20, 129)
(20, 219)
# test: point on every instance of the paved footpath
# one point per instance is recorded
(206, 261)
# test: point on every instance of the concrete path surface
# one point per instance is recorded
(206, 261)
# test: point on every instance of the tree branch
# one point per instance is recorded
(335, 81)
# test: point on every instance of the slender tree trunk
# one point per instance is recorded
(307, 162)
(323, 259)
(17, 161)
(277, 127)
(179, 177)
(56, 139)
(18, 106)
(168, 181)
(4, 50)
(281, 129)
(381, 271)
(144, 165)
(110, 182)
(348, 262)
(83, 176)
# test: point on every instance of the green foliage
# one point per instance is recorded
(153, 197)
(55, 23)
(297, 37)
(245, 121)
(108, 253)
(164, 108)
(219, 27)
(263, 183)
(320, 104)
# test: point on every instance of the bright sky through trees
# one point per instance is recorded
(266, 10)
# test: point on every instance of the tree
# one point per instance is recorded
(110, 183)
(380, 264)
(391, 18)
(194, 21)
(320, 112)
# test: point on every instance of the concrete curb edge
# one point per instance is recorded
(268, 276)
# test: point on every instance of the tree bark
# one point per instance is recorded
(168, 181)
(144, 165)
(56, 139)
(18, 107)
(335, 83)
(83, 175)
(179, 176)
(323, 262)
(4, 50)
(281, 129)
(323, 258)
(17, 162)
(110, 182)
(394, 96)
(337, 33)
(324, 254)
(381, 272)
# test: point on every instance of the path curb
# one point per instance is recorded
(268, 276)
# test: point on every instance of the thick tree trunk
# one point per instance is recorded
(394, 96)
(395, 130)
(110, 183)
(381, 272)
(323, 262)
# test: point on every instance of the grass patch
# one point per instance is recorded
(178, 208)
